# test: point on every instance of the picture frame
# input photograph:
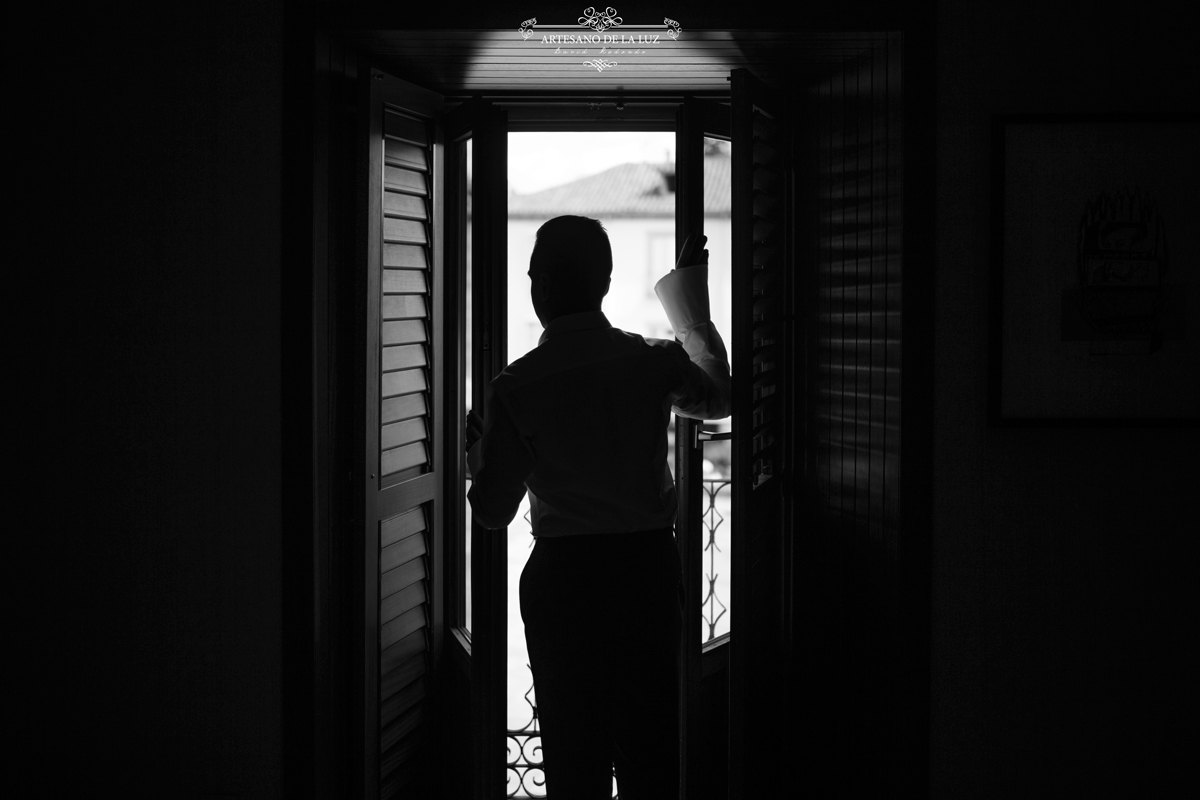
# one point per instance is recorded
(1095, 271)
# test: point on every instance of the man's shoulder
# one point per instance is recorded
(529, 368)
(618, 343)
(637, 341)
(562, 354)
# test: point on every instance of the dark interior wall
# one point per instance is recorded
(169, 241)
(1063, 598)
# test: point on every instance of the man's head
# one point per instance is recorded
(570, 267)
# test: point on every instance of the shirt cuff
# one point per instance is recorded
(684, 296)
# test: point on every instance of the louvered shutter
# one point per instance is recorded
(405, 298)
(761, 491)
(865, 612)
(402, 457)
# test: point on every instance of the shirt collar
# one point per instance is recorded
(569, 323)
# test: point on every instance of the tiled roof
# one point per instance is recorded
(628, 190)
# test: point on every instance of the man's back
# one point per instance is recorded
(592, 404)
(581, 420)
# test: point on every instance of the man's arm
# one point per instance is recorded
(500, 462)
(704, 392)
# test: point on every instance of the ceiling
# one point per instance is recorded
(627, 60)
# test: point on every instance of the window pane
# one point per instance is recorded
(717, 518)
(524, 330)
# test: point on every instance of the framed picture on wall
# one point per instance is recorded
(1095, 292)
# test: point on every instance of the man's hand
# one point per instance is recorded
(693, 252)
(474, 428)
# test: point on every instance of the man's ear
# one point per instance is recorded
(607, 286)
(543, 286)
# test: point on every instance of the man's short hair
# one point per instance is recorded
(576, 252)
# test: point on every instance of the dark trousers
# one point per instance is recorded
(602, 620)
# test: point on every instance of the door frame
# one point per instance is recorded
(662, 114)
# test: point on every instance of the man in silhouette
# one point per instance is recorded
(581, 423)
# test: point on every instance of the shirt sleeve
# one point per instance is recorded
(499, 462)
(704, 392)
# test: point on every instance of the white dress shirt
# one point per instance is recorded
(581, 420)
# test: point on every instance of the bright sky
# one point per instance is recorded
(540, 160)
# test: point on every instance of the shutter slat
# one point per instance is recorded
(404, 154)
(406, 332)
(404, 382)
(401, 526)
(764, 205)
(402, 433)
(765, 180)
(401, 552)
(398, 126)
(404, 281)
(401, 602)
(400, 728)
(402, 626)
(403, 407)
(764, 127)
(399, 458)
(404, 205)
(402, 651)
(404, 180)
(410, 256)
(763, 230)
(397, 679)
(764, 256)
(405, 306)
(402, 701)
(404, 231)
(401, 577)
(764, 153)
(764, 282)
(405, 356)
(764, 307)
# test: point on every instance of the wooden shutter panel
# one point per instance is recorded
(405, 295)
(403, 438)
(761, 331)
(863, 564)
